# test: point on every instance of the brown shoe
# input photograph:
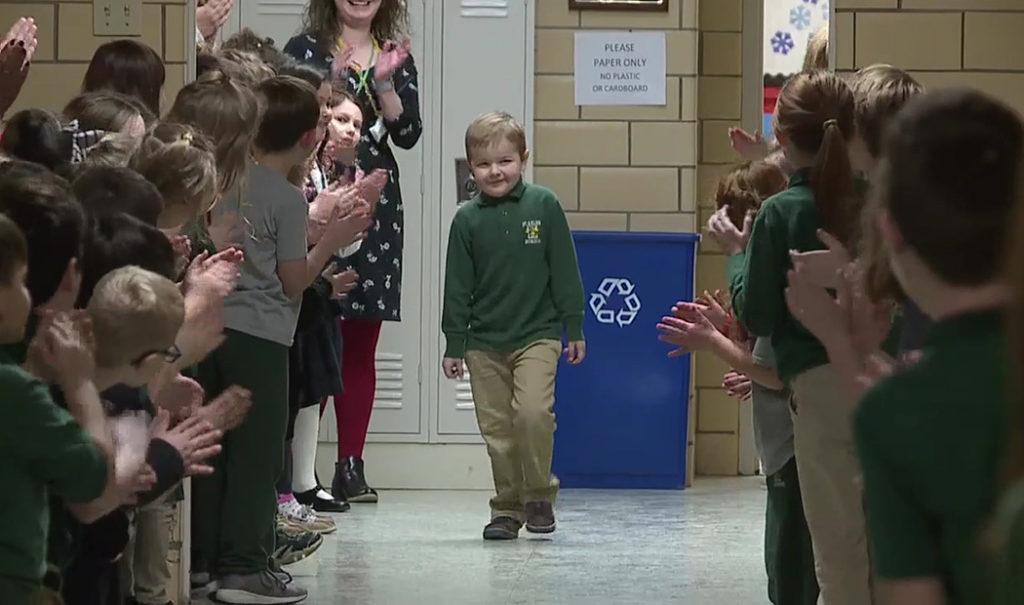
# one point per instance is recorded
(502, 528)
(540, 517)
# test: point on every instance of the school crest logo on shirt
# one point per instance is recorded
(531, 229)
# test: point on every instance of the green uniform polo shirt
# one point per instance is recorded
(930, 441)
(786, 222)
(43, 451)
(512, 277)
(1008, 558)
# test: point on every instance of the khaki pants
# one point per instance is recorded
(514, 396)
(832, 486)
(145, 568)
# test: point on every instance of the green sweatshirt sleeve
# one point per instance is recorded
(458, 288)
(566, 283)
(757, 277)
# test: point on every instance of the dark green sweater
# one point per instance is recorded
(512, 276)
(757, 278)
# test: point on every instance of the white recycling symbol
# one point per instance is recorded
(618, 287)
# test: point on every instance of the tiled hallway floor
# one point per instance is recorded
(701, 546)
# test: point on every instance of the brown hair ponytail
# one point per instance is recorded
(816, 117)
(832, 180)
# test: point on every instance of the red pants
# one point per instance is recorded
(353, 407)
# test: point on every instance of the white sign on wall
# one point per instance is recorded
(620, 68)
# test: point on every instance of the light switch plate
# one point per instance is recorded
(117, 17)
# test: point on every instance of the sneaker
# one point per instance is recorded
(322, 502)
(502, 528)
(292, 548)
(305, 518)
(262, 588)
(540, 517)
(202, 584)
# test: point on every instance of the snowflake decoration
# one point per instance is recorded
(782, 43)
(824, 9)
(815, 2)
(800, 17)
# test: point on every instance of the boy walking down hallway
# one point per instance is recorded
(512, 285)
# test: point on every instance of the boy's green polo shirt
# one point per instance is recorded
(43, 451)
(930, 442)
(512, 276)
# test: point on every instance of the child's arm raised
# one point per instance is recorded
(691, 331)
(64, 345)
(757, 273)
(566, 283)
(298, 272)
(458, 292)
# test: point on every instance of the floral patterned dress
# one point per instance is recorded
(379, 260)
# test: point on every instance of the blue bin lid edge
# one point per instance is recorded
(640, 236)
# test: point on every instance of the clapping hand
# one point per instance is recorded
(751, 146)
(341, 61)
(228, 409)
(730, 239)
(182, 248)
(822, 267)
(16, 52)
(714, 308)
(213, 276)
(182, 397)
(688, 328)
(372, 185)
(392, 56)
(63, 349)
(342, 282)
(737, 385)
(195, 439)
(211, 17)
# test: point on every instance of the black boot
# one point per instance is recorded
(350, 482)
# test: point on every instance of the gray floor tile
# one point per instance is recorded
(701, 546)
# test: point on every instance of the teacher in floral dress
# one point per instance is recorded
(365, 44)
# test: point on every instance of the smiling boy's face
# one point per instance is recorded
(498, 167)
(15, 307)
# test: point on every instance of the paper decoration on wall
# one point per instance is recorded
(788, 27)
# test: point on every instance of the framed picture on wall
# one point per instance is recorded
(640, 5)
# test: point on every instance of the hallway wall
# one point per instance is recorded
(974, 43)
(66, 45)
(646, 168)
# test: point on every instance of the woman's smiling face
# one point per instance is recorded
(357, 13)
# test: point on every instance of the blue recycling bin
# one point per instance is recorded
(622, 414)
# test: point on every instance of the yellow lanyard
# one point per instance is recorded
(364, 73)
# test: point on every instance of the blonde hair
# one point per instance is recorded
(816, 56)
(134, 312)
(114, 149)
(246, 67)
(180, 162)
(490, 128)
(880, 91)
(106, 110)
(226, 112)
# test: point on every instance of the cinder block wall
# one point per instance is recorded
(718, 107)
(66, 45)
(975, 43)
(618, 168)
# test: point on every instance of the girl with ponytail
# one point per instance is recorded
(814, 123)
